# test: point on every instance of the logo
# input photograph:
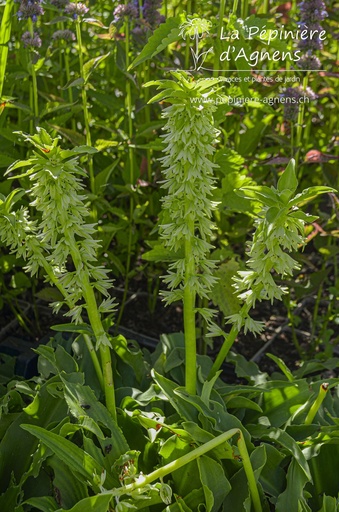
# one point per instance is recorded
(195, 29)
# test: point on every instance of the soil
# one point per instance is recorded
(292, 345)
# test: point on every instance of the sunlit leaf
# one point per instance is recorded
(163, 36)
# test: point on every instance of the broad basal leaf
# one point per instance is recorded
(293, 499)
(98, 503)
(80, 462)
(214, 482)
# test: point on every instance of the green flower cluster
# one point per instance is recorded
(268, 259)
(188, 173)
(18, 232)
(62, 233)
(280, 229)
(187, 226)
(267, 255)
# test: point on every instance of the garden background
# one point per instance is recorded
(169, 206)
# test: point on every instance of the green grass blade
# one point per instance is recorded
(5, 34)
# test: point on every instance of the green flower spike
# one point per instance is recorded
(60, 235)
(280, 229)
(187, 225)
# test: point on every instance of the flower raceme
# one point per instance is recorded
(61, 237)
(280, 230)
(186, 227)
(293, 96)
(189, 182)
(62, 231)
(312, 13)
(151, 14)
(63, 35)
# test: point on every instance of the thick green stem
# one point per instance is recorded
(106, 362)
(292, 140)
(84, 104)
(227, 345)
(5, 34)
(187, 48)
(230, 338)
(147, 121)
(244, 9)
(147, 107)
(300, 125)
(235, 7)
(101, 337)
(189, 314)
(266, 6)
(65, 50)
(194, 454)
(96, 324)
(31, 106)
(68, 79)
(49, 271)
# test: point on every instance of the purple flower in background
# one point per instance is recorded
(64, 35)
(309, 93)
(139, 30)
(309, 61)
(312, 42)
(76, 10)
(292, 98)
(151, 13)
(130, 10)
(29, 9)
(146, 17)
(31, 41)
(313, 11)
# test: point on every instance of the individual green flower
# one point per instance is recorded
(166, 493)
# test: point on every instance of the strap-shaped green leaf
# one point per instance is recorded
(308, 194)
(281, 438)
(74, 457)
(82, 401)
(72, 489)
